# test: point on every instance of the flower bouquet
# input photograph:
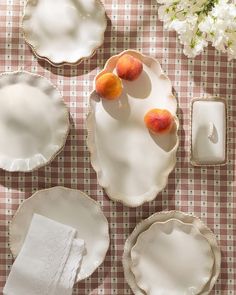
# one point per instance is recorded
(199, 22)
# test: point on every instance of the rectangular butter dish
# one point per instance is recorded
(208, 132)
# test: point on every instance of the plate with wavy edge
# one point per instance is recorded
(172, 257)
(34, 121)
(131, 164)
(70, 207)
(162, 217)
(66, 31)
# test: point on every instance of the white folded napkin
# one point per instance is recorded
(48, 261)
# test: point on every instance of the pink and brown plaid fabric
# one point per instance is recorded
(207, 192)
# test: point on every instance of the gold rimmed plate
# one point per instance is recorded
(163, 217)
(64, 31)
(34, 121)
(70, 207)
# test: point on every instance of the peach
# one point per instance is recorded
(128, 67)
(109, 86)
(159, 121)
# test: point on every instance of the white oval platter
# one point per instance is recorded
(132, 165)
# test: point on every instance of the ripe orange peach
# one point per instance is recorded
(109, 86)
(159, 121)
(128, 67)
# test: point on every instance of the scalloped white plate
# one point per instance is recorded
(163, 217)
(132, 164)
(70, 207)
(64, 31)
(34, 121)
(172, 257)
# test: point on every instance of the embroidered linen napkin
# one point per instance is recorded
(48, 261)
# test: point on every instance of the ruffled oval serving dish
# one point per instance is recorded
(172, 257)
(163, 217)
(70, 207)
(34, 121)
(64, 31)
(132, 165)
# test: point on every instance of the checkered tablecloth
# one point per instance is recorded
(206, 192)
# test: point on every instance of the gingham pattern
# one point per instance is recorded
(206, 192)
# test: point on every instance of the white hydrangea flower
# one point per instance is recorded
(163, 15)
(183, 26)
(198, 22)
(195, 48)
(231, 51)
(207, 25)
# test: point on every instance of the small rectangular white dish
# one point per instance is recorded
(208, 132)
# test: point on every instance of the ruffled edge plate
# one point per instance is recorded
(62, 136)
(23, 216)
(161, 217)
(165, 227)
(45, 58)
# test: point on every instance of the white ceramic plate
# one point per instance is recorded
(70, 207)
(131, 164)
(34, 121)
(172, 257)
(163, 217)
(64, 31)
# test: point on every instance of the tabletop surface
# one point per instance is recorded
(205, 192)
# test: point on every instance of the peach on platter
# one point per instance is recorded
(128, 67)
(108, 86)
(159, 121)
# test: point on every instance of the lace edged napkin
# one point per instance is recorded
(48, 262)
